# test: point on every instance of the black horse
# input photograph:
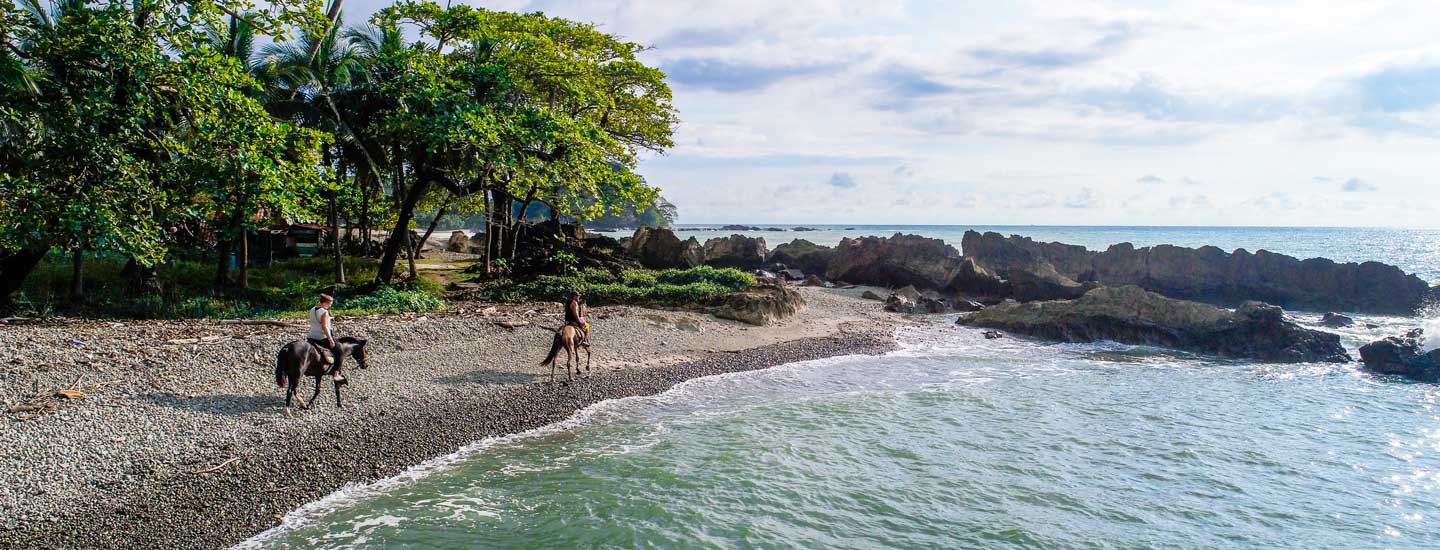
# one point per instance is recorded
(300, 358)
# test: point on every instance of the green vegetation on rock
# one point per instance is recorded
(671, 287)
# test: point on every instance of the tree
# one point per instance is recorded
(121, 118)
(518, 107)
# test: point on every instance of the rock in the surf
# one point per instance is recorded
(1403, 355)
(1132, 315)
(1336, 320)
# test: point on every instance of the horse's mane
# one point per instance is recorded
(350, 340)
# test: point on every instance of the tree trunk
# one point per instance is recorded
(222, 265)
(426, 238)
(520, 220)
(77, 275)
(335, 240)
(365, 189)
(489, 232)
(15, 266)
(244, 260)
(401, 234)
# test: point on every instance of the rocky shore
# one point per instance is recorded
(174, 436)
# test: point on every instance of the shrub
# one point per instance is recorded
(392, 300)
(727, 278)
(638, 278)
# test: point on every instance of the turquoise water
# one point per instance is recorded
(952, 441)
(1414, 250)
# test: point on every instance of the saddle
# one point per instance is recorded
(326, 357)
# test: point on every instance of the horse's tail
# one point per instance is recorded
(554, 350)
(280, 366)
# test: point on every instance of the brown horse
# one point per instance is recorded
(568, 337)
(299, 358)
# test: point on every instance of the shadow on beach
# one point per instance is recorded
(222, 404)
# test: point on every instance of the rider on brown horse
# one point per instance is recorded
(322, 334)
(575, 316)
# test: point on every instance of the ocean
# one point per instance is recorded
(954, 441)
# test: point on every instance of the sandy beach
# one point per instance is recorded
(178, 437)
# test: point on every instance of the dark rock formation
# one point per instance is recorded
(1403, 355)
(1336, 320)
(895, 261)
(1132, 315)
(909, 300)
(1209, 274)
(739, 228)
(871, 295)
(661, 249)
(971, 280)
(813, 280)
(792, 274)
(763, 304)
(803, 255)
(736, 251)
(803, 228)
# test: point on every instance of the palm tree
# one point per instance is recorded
(306, 76)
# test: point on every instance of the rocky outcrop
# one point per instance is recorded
(661, 249)
(736, 251)
(1132, 315)
(1209, 274)
(909, 300)
(814, 280)
(803, 255)
(1336, 320)
(895, 261)
(1403, 355)
(458, 242)
(973, 281)
(762, 304)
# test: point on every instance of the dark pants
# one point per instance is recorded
(334, 352)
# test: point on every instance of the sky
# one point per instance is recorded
(1212, 112)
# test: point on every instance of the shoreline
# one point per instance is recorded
(232, 486)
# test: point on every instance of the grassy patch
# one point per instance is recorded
(285, 289)
(633, 287)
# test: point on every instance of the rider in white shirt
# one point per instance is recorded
(322, 333)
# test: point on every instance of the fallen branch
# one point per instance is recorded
(513, 324)
(203, 340)
(257, 322)
(214, 468)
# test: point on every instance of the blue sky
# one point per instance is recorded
(1211, 112)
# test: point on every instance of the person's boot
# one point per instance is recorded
(339, 378)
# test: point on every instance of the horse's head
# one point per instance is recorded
(357, 350)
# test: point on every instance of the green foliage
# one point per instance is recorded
(392, 300)
(286, 289)
(722, 277)
(674, 287)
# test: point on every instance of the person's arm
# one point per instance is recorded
(325, 322)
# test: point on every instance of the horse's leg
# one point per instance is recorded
(294, 392)
(571, 356)
(337, 396)
(587, 358)
(315, 395)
